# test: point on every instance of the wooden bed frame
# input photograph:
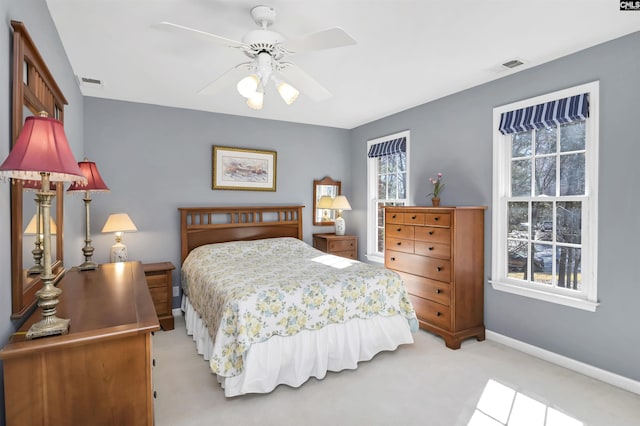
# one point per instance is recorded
(207, 225)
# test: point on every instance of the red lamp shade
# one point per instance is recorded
(42, 147)
(94, 180)
(31, 185)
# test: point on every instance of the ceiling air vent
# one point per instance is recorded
(513, 63)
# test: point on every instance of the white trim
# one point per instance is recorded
(372, 236)
(560, 299)
(569, 363)
(588, 297)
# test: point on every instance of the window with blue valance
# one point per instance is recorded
(548, 114)
(389, 147)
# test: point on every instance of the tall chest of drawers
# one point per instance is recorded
(439, 253)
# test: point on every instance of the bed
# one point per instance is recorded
(265, 308)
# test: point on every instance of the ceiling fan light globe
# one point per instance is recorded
(288, 93)
(256, 101)
(247, 86)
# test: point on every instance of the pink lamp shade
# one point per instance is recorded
(94, 180)
(31, 185)
(42, 147)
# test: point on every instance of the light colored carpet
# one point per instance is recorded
(420, 384)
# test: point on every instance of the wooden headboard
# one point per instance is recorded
(207, 225)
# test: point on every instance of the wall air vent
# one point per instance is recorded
(90, 82)
(513, 63)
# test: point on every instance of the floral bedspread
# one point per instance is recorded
(248, 291)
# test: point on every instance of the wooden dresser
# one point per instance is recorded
(99, 373)
(439, 252)
(340, 245)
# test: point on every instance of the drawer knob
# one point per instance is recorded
(438, 314)
(437, 218)
(155, 394)
(439, 268)
(399, 229)
(154, 362)
(438, 291)
(430, 232)
(430, 248)
(393, 217)
(399, 243)
(393, 258)
(413, 218)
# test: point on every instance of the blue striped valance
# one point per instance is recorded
(393, 146)
(549, 114)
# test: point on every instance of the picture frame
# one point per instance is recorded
(243, 169)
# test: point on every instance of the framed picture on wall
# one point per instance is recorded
(244, 169)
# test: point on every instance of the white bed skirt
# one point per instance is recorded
(293, 360)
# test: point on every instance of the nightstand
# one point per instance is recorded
(340, 245)
(161, 288)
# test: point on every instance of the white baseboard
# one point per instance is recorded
(177, 312)
(563, 361)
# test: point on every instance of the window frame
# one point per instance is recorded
(372, 253)
(587, 298)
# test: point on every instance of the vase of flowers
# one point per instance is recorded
(438, 186)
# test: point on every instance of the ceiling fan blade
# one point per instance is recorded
(304, 82)
(226, 80)
(204, 35)
(325, 39)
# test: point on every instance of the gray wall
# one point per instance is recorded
(454, 135)
(155, 159)
(35, 15)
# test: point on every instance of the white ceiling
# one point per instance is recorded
(407, 52)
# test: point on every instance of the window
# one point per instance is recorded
(388, 185)
(545, 197)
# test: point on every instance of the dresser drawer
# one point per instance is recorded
(398, 244)
(432, 234)
(438, 219)
(437, 291)
(432, 312)
(399, 231)
(349, 254)
(426, 248)
(414, 218)
(341, 245)
(393, 217)
(159, 296)
(437, 269)
(156, 279)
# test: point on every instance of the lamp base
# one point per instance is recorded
(340, 226)
(118, 253)
(87, 266)
(50, 326)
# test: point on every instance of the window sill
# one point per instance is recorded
(559, 299)
(375, 258)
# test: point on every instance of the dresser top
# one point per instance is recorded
(109, 302)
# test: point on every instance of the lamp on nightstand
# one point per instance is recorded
(340, 203)
(94, 184)
(325, 204)
(119, 223)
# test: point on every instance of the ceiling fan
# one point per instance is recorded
(267, 50)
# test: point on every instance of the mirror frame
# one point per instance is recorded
(33, 87)
(324, 181)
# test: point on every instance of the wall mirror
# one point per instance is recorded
(33, 90)
(329, 189)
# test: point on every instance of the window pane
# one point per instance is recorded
(392, 191)
(542, 255)
(392, 163)
(518, 220)
(402, 161)
(381, 240)
(572, 136)
(546, 176)
(542, 219)
(517, 264)
(568, 273)
(382, 164)
(402, 191)
(382, 187)
(521, 144)
(546, 140)
(521, 178)
(569, 216)
(572, 174)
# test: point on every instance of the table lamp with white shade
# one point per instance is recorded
(42, 153)
(119, 223)
(340, 203)
(325, 204)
